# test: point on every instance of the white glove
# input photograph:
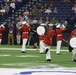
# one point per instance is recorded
(63, 26)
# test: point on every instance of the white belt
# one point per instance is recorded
(0, 34)
(48, 39)
(24, 32)
(74, 36)
(59, 35)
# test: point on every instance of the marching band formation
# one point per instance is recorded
(46, 34)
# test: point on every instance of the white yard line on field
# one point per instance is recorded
(27, 56)
(4, 55)
(29, 49)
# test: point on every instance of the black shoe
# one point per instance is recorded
(46, 50)
(48, 60)
(74, 60)
(23, 52)
(41, 53)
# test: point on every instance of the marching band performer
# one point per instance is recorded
(73, 34)
(2, 28)
(59, 31)
(24, 29)
(47, 42)
(41, 38)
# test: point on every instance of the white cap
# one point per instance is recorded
(43, 24)
(50, 24)
(2, 26)
(58, 26)
(24, 22)
(66, 22)
(63, 26)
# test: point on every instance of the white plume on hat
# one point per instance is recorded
(58, 26)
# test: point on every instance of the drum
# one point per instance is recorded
(73, 42)
(42, 29)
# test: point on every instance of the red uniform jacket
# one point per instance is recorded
(59, 33)
(73, 34)
(48, 37)
(41, 37)
(25, 30)
(1, 30)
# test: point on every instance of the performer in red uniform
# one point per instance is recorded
(24, 29)
(2, 28)
(41, 38)
(59, 31)
(73, 34)
(47, 42)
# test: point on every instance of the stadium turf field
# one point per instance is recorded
(11, 57)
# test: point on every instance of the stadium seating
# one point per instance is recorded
(64, 9)
(11, 15)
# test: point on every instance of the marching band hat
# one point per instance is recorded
(50, 24)
(24, 22)
(75, 25)
(58, 26)
(43, 24)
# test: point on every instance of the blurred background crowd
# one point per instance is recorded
(13, 11)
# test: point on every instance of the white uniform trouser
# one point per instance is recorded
(18, 38)
(58, 46)
(74, 54)
(41, 49)
(0, 41)
(44, 47)
(24, 44)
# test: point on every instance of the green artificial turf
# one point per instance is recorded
(32, 58)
